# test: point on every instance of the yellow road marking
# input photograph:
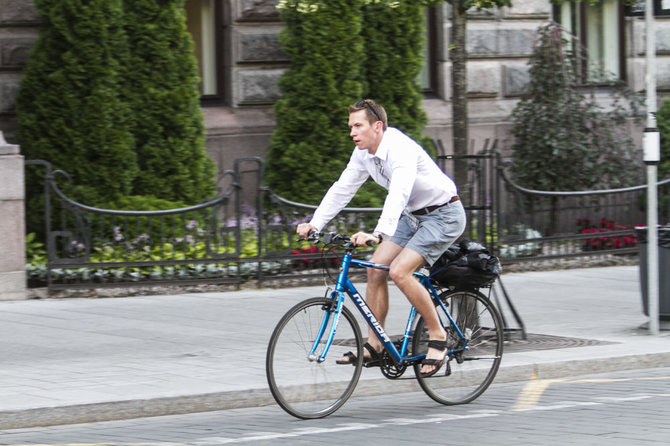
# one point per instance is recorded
(532, 392)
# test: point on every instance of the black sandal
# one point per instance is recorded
(437, 345)
(373, 361)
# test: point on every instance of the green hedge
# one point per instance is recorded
(161, 86)
(394, 43)
(110, 95)
(68, 106)
(310, 144)
(663, 123)
(341, 51)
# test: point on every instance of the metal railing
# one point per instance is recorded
(247, 232)
(522, 225)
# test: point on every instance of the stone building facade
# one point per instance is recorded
(241, 60)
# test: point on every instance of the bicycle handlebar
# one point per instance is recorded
(333, 238)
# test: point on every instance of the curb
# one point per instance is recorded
(179, 405)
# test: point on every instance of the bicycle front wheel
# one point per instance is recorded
(301, 385)
(473, 360)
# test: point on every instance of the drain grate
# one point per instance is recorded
(549, 342)
(531, 343)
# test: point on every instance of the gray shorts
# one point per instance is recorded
(433, 233)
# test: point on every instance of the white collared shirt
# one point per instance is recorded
(401, 166)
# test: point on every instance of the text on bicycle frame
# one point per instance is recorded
(371, 317)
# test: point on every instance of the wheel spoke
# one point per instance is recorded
(301, 385)
(470, 369)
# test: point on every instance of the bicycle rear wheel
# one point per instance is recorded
(470, 368)
(300, 384)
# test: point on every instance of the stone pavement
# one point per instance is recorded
(79, 360)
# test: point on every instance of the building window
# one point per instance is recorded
(596, 37)
(201, 21)
(428, 72)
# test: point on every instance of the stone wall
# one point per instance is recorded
(18, 33)
(12, 232)
(499, 44)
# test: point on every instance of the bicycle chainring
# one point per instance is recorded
(389, 368)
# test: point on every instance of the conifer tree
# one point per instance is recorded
(663, 119)
(311, 145)
(342, 51)
(68, 107)
(161, 86)
(564, 139)
(394, 40)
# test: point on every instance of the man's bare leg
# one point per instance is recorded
(377, 294)
(402, 270)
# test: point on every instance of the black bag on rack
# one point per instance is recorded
(465, 265)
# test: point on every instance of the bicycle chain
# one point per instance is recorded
(389, 368)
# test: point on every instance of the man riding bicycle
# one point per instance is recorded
(422, 216)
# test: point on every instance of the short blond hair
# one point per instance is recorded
(374, 111)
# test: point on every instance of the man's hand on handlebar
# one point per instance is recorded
(304, 229)
(364, 239)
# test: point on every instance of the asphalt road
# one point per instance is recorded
(617, 408)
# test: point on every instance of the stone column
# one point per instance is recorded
(12, 223)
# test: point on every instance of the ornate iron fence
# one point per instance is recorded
(244, 233)
(247, 232)
(523, 225)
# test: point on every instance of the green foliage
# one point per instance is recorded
(161, 86)
(35, 252)
(310, 145)
(68, 108)
(594, 2)
(342, 51)
(564, 140)
(663, 123)
(483, 4)
(394, 40)
(110, 95)
(144, 203)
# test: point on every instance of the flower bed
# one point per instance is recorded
(602, 241)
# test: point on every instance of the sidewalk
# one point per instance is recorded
(80, 360)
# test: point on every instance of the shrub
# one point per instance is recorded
(68, 107)
(310, 145)
(564, 140)
(393, 36)
(161, 86)
(663, 123)
(342, 51)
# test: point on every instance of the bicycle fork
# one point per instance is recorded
(329, 313)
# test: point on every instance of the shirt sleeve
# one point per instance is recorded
(403, 165)
(340, 193)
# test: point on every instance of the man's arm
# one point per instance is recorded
(340, 193)
(337, 197)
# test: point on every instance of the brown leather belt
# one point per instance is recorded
(428, 209)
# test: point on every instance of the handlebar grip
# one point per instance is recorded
(371, 243)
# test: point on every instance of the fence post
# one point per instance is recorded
(12, 223)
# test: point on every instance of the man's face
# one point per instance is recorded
(366, 136)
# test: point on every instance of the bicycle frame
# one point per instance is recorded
(344, 287)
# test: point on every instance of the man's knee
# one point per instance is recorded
(377, 275)
(398, 273)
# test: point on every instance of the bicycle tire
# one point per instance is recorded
(468, 372)
(302, 386)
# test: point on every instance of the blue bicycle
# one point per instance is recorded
(307, 382)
